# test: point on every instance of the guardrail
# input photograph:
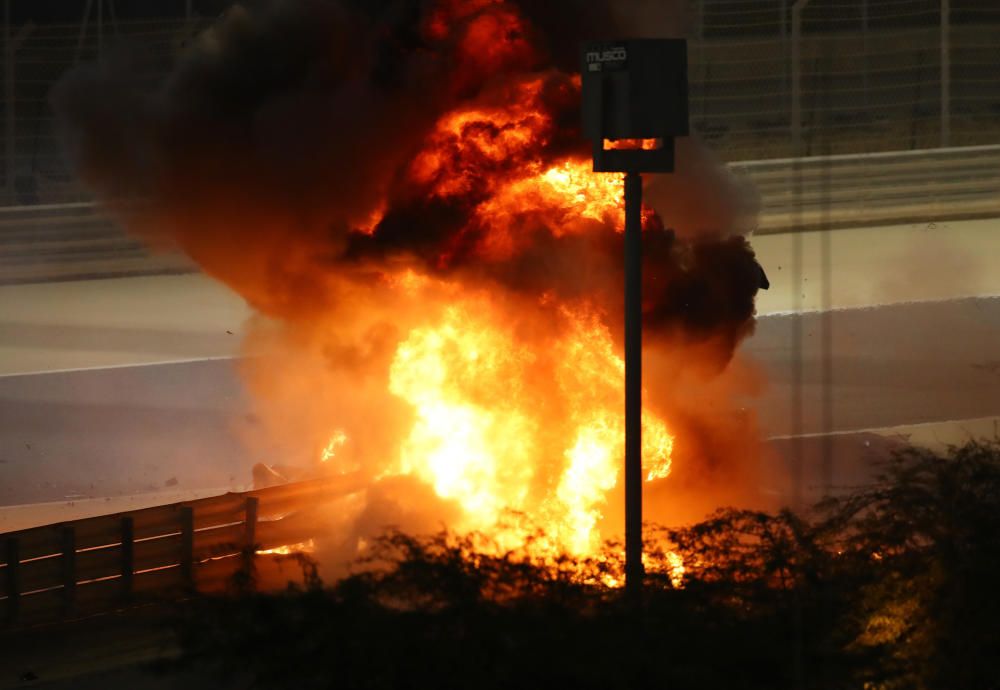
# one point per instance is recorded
(879, 188)
(74, 242)
(79, 241)
(101, 564)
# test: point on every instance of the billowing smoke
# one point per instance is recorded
(356, 168)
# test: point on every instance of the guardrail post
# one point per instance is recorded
(128, 556)
(250, 521)
(12, 555)
(250, 538)
(187, 546)
(68, 534)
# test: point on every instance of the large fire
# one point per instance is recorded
(407, 198)
(481, 423)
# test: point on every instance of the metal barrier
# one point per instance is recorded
(79, 241)
(74, 241)
(879, 188)
(101, 564)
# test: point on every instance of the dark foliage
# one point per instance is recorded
(891, 586)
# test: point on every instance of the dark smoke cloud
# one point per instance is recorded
(283, 127)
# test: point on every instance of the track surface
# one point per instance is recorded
(105, 432)
(115, 387)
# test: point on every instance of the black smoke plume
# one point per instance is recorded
(286, 124)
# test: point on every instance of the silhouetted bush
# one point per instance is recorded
(890, 586)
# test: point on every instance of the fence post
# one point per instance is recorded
(864, 49)
(128, 556)
(797, 76)
(187, 546)
(68, 534)
(945, 73)
(10, 46)
(251, 520)
(250, 539)
(8, 117)
(13, 558)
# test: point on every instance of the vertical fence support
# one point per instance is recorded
(128, 556)
(250, 520)
(250, 538)
(83, 31)
(798, 662)
(68, 539)
(786, 78)
(187, 547)
(100, 28)
(10, 45)
(865, 85)
(12, 554)
(945, 73)
(797, 76)
(8, 110)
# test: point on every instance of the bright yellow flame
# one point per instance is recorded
(307, 546)
(468, 447)
(337, 439)
(676, 565)
(490, 436)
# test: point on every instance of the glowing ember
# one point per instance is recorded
(307, 546)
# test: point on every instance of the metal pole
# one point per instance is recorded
(945, 73)
(864, 57)
(797, 75)
(798, 663)
(83, 31)
(633, 382)
(8, 117)
(114, 18)
(798, 153)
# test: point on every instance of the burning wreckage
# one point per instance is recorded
(403, 193)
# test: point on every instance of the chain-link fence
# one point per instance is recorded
(35, 169)
(844, 76)
(840, 112)
(769, 79)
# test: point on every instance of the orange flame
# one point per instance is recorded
(487, 434)
(633, 144)
(480, 431)
(307, 546)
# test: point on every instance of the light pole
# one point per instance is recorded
(635, 101)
